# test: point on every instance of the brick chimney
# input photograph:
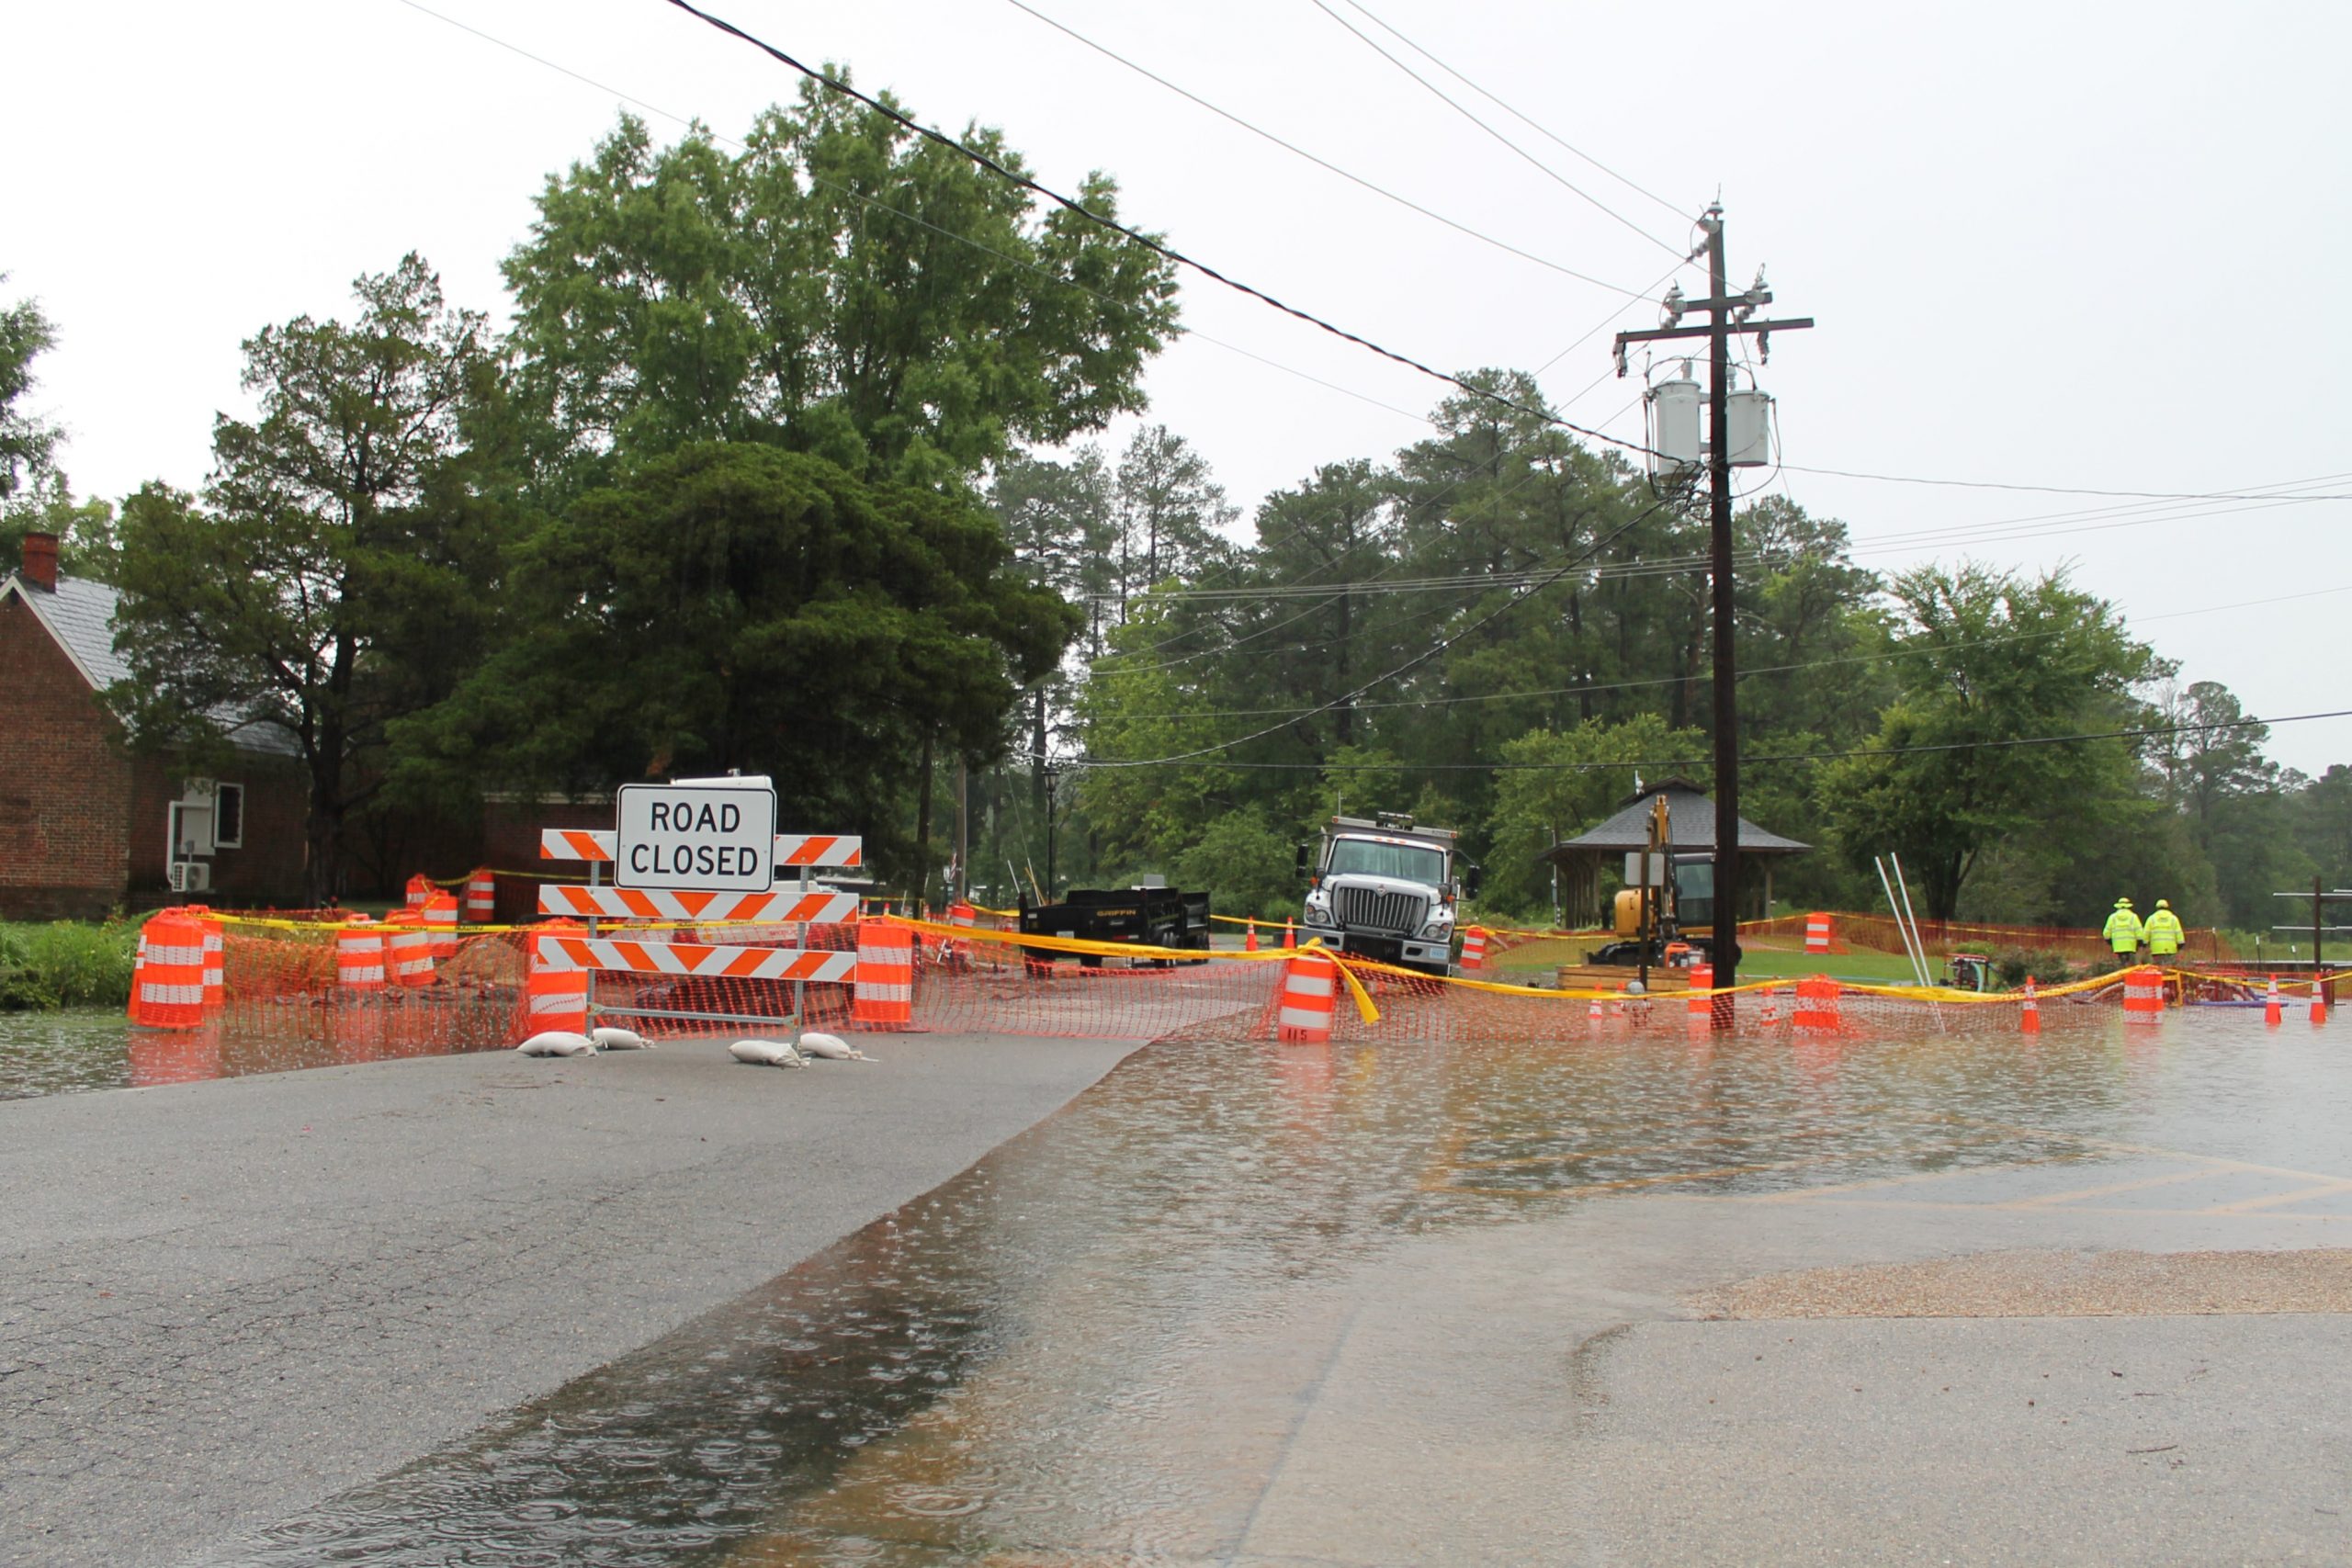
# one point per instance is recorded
(40, 561)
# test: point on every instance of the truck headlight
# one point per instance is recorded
(1441, 926)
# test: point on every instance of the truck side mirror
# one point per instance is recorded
(1471, 876)
(1302, 860)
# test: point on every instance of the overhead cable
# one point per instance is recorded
(1321, 162)
(1132, 235)
(1545, 169)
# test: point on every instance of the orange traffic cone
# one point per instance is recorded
(2318, 998)
(1771, 1010)
(2029, 1019)
(2274, 1011)
(1592, 1014)
(1289, 935)
(1249, 942)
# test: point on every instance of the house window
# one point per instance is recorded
(228, 817)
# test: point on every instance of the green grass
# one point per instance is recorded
(66, 963)
(1755, 963)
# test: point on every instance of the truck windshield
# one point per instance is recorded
(1409, 863)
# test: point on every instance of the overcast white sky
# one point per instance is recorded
(2047, 245)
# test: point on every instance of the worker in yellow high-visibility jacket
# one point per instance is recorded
(2163, 931)
(2124, 930)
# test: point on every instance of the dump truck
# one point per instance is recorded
(1386, 888)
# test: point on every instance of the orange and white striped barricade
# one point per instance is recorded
(481, 897)
(1816, 1006)
(1816, 934)
(2029, 1015)
(419, 889)
(216, 956)
(784, 906)
(409, 949)
(360, 957)
(170, 987)
(1699, 1003)
(1474, 950)
(2144, 995)
(441, 925)
(2274, 1011)
(1311, 992)
(555, 994)
(883, 995)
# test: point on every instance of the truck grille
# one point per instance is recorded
(1365, 910)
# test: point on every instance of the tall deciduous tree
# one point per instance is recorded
(328, 580)
(1994, 670)
(841, 287)
(731, 605)
(27, 442)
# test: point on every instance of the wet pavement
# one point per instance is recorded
(1397, 1303)
(79, 1049)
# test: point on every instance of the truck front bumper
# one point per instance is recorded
(1424, 953)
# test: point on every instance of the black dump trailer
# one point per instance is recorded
(1147, 916)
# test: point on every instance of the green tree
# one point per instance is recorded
(839, 287)
(1995, 673)
(1561, 782)
(731, 605)
(332, 578)
(27, 442)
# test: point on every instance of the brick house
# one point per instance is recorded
(85, 824)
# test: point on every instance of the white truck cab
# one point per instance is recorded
(1387, 889)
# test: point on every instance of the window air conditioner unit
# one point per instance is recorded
(191, 876)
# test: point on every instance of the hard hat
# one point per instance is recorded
(2123, 903)
(2162, 905)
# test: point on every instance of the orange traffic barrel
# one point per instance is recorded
(481, 897)
(359, 956)
(410, 949)
(1311, 990)
(1474, 950)
(1702, 980)
(2144, 995)
(554, 995)
(1816, 933)
(170, 986)
(1816, 1003)
(883, 995)
(441, 925)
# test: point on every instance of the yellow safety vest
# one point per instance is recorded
(2122, 931)
(2164, 933)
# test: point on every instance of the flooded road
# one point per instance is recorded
(1237, 1289)
(77, 1049)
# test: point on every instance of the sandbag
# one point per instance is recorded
(556, 1043)
(765, 1053)
(608, 1038)
(831, 1047)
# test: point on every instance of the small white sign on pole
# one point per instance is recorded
(705, 835)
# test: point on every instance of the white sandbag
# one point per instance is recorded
(831, 1047)
(558, 1042)
(765, 1053)
(607, 1038)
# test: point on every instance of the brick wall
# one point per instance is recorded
(65, 787)
(266, 868)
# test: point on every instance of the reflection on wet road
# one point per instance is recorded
(1101, 1343)
(73, 1051)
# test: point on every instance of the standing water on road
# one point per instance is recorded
(1101, 1340)
(77, 1049)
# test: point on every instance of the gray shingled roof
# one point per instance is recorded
(80, 616)
(1690, 818)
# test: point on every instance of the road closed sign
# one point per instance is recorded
(698, 835)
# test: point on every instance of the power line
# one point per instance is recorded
(1319, 162)
(1419, 658)
(1655, 764)
(883, 207)
(1595, 689)
(2074, 489)
(1134, 236)
(1535, 125)
(1539, 164)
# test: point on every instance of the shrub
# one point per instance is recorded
(2011, 966)
(66, 963)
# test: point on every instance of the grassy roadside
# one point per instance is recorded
(66, 963)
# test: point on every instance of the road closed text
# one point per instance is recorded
(716, 836)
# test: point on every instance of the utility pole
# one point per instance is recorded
(1728, 315)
